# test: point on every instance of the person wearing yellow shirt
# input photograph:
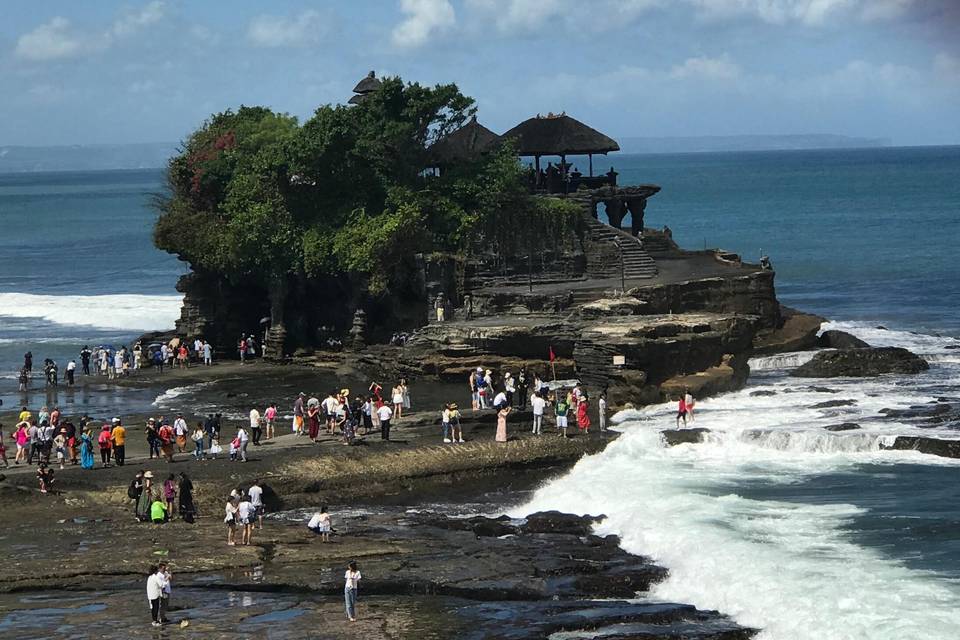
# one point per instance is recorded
(119, 437)
(25, 415)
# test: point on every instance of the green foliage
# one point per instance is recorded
(256, 196)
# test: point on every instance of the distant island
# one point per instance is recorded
(86, 157)
(705, 144)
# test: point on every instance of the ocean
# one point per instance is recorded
(802, 532)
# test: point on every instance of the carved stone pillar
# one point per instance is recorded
(637, 206)
(358, 332)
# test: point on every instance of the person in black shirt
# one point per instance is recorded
(85, 354)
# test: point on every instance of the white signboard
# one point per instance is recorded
(619, 361)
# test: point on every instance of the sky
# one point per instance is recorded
(107, 71)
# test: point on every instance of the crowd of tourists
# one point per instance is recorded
(160, 503)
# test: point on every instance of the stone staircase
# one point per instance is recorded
(657, 242)
(603, 255)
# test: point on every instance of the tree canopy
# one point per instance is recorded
(255, 195)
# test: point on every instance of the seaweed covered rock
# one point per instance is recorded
(860, 363)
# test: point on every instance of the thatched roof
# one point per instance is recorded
(466, 143)
(368, 84)
(357, 98)
(559, 135)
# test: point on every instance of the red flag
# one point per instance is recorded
(552, 355)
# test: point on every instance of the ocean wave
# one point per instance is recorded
(124, 312)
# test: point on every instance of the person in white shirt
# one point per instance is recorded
(180, 432)
(688, 398)
(500, 401)
(158, 590)
(71, 372)
(537, 404)
(385, 413)
(509, 387)
(246, 512)
(351, 582)
(243, 438)
(602, 408)
(330, 406)
(256, 499)
(320, 524)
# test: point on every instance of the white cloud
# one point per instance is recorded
(722, 68)
(424, 19)
(305, 29)
(132, 22)
(809, 12)
(58, 40)
(50, 41)
(885, 9)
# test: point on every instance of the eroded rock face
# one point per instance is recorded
(843, 426)
(673, 437)
(834, 339)
(932, 446)
(605, 307)
(798, 332)
(861, 363)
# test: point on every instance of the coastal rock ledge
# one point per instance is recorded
(861, 363)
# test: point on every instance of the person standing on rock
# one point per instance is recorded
(298, 414)
(397, 397)
(509, 387)
(118, 437)
(502, 414)
(255, 427)
(155, 585)
(270, 417)
(230, 519)
(320, 524)
(561, 409)
(207, 354)
(688, 399)
(602, 410)
(385, 413)
(474, 390)
(180, 431)
(187, 507)
(246, 513)
(583, 416)
(135, 490)
(682, 410)
(456, 430)
(165, 435)
(351, 583)
(243, 439)
(537, 403)
(256, 499)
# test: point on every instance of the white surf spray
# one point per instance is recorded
(791, 569)
(126, 312)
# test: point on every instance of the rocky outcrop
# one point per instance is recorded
(834, 339)
(673, 437)
(923, 444)
(798, 332)
(843, 426)
(861, 363)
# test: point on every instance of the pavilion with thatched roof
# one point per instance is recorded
(466, 144)
(559, 135)
(365, 87)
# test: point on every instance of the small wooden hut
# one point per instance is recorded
(466, 144)
(559, 135)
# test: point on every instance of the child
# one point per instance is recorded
(234, 449)
(320, 524)
(60, 442)
(214, 449)
(45, 477)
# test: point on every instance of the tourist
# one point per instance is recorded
(561, 409)
(169, 494)
(456, 430)
(71, 436)
(384, 413)
(246, 514)
(187, 507)
(105, 445)
(313, 419)
(256, 426)
(298, 414)
(689, 401)
(509, 387)
(330, 406)
(207, 353)
(406, 394)
(482, 388)
(474, 390)
(155, 584)
(242, 438)
(44, 477)
(137, 355)
(85, 354)
(602, 410)
(234, 449)
(23, 379)
(198, 437)
(158, 358)
(153, 438)
(210, 427)
(33, 432)
(180, 431)
(502, 414)
(583, 418)
(158, 510)
(198, 350)
(59, 444)
(183, 357)
(397, 396)
(23, 441)
(118, 438)
(320, 524)
(500, 401)
(440, 306)
(46, 435)
(231, 520)
(242, 348)
(166, 435)
(146, 497)
(71, 372)
(3, 450)
(445, 423)
(682, 410)
(537, 404)
(269, 418)
(135, 490)
(352, 579)
(367, 412)
(28, 361)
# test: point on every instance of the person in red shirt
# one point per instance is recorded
(166, 441)
(682, 411)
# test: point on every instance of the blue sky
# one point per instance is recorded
(151, 70)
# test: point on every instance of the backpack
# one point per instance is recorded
(132, 492)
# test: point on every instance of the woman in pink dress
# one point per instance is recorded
(502, 424)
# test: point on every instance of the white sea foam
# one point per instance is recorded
(792, 569)
(125, 312)
(173, 393)
(781, 361)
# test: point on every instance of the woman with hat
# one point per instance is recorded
(145, 499)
